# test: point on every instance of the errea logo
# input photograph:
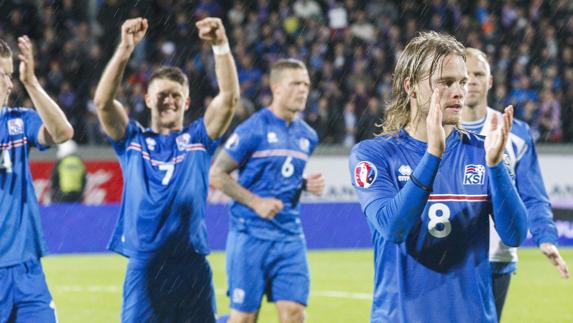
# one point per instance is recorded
(474, 174)
(405, 172)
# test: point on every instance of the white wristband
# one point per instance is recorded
(221, 49)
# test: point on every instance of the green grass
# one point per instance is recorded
(87, 288)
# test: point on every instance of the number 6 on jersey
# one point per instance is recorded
(288, 168)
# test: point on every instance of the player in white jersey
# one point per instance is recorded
(521, 159)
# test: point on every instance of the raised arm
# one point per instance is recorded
(220, 177)
(394, 214)
(509, 213)
(110, 112)
(55, 128)
(221, 109)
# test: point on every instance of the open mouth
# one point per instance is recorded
(454, 107)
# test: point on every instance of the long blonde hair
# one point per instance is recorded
(411, 65)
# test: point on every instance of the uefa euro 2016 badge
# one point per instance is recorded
(150, 142)
(15, 126)
(182, 141)
(474, 174)
(365, 174)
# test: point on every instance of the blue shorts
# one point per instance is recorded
(24, 295)
(255, 267)
(168, 290)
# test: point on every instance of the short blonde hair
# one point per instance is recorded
(285, 64)
(474, 52)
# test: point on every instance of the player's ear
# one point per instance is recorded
(187, 103)
(148, 101)
(490, 82)
(409, 88)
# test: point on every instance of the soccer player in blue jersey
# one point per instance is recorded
(521, 158)
(165, 167)
(266, 249)
(24, 295)
(427, 189)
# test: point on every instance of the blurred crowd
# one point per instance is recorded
(349, 46)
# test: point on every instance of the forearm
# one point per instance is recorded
(220, 112)
(111, 78)
(228, 185)
(541, 224)
(396, 217)
(227, 77)
(509, 213)
(51, 114)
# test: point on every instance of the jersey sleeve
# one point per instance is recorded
(33, 123)
(392, 211)
(531, 189)
(199, 130)
(509, 213)
(243, 142)
(120, 146)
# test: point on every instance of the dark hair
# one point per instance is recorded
(170, 73)
(5, 51)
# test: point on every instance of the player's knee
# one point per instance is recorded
(242, 317)
(290, 312)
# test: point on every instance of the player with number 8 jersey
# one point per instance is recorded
(427, 189)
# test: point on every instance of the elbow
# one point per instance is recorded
(394, 235)
(516, 237)
(392, 231)
(64, 135)
(215, 178)
(231, 98)
(100, 102)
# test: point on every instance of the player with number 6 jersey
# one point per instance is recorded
(266, 249)
(427, 189)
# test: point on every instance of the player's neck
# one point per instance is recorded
(418, 130)
(282, 113)
(474, 113)
(162, 130)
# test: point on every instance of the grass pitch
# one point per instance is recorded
(87, 288)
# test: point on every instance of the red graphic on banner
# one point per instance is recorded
(104, 181)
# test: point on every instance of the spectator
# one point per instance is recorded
(68, 175)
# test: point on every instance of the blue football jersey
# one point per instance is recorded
(272, 155)
(20, 230)
(521, 159)
(164, 191)
(440, 271)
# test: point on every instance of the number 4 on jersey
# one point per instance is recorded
(5, 161)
